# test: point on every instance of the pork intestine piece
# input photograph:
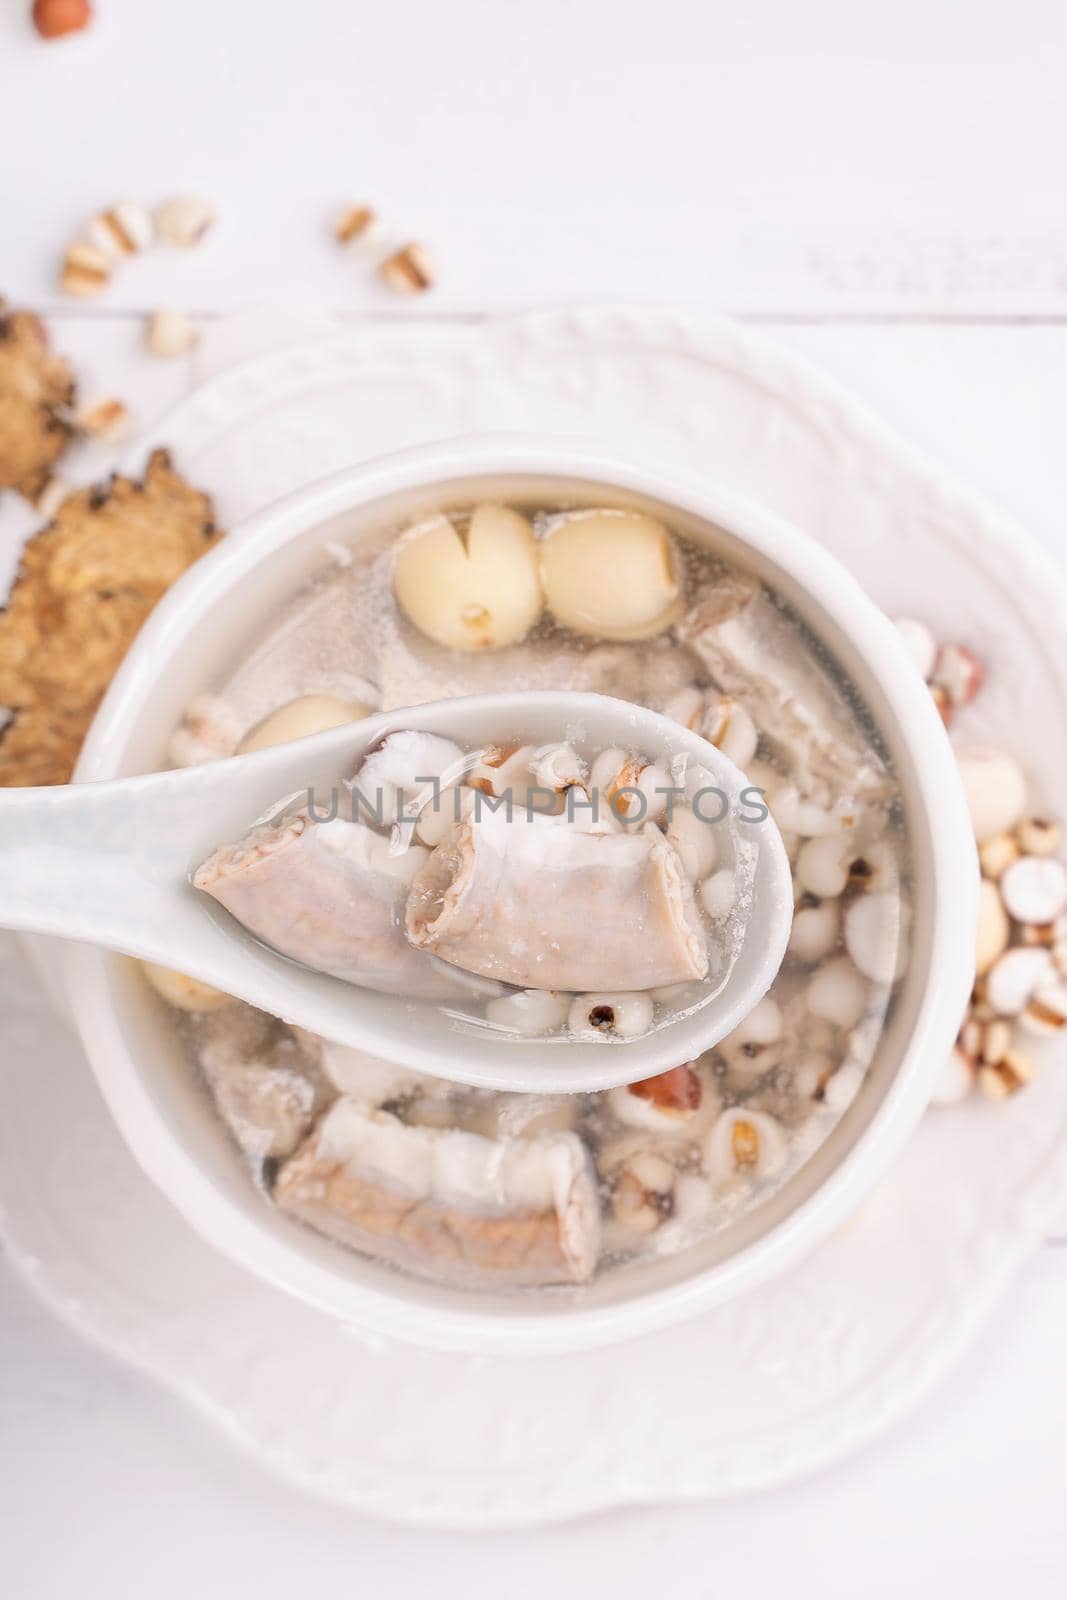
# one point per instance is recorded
(329, 895)
(546, 904)
(268, 1087)
(268, 1099)
(751, 650)
(521, 1211)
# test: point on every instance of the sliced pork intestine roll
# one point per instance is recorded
(269, 1089)
(750, 648)
(268, 1098)
(329, 894)
(447, 1202)
(539, 902)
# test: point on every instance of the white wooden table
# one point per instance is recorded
(882, 187)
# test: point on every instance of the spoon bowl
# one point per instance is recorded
(111, 864)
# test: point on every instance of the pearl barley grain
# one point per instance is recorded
(209, 729)
(86, 271)
(718, 894)
(794, 813)
(358, 227)
(125, 230)
(687, 708)
(730, 729)
(184, 220)
(843, 1087)
(763, 1025)
(838, 993)
(998, 853)
(106, 419)
(529, 1012)
(1007, 1077)
(1038, 836)
(822, 866)
(695, 842)
(642, 1190)
(558, 767)
(743, 1143)
(1017, 975)
(1034, 889)
(170, 333)
(408, 271)
(610, 1016)
(756, 1044)
(876, 936)
(1045, 1013)
(816, 929)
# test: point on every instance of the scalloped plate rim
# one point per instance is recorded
(943, 1338)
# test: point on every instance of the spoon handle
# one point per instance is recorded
(105, 862)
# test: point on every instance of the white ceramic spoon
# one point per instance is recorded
(111, 864)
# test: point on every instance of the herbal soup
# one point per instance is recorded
(496, 1189)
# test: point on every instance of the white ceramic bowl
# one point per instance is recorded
(206, 624)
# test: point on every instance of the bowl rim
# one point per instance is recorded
(253, 1244)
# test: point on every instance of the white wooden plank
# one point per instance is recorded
(766, 157)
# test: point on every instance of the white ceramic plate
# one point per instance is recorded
(800, 1371)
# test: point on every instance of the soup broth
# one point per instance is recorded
(494, 1189)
